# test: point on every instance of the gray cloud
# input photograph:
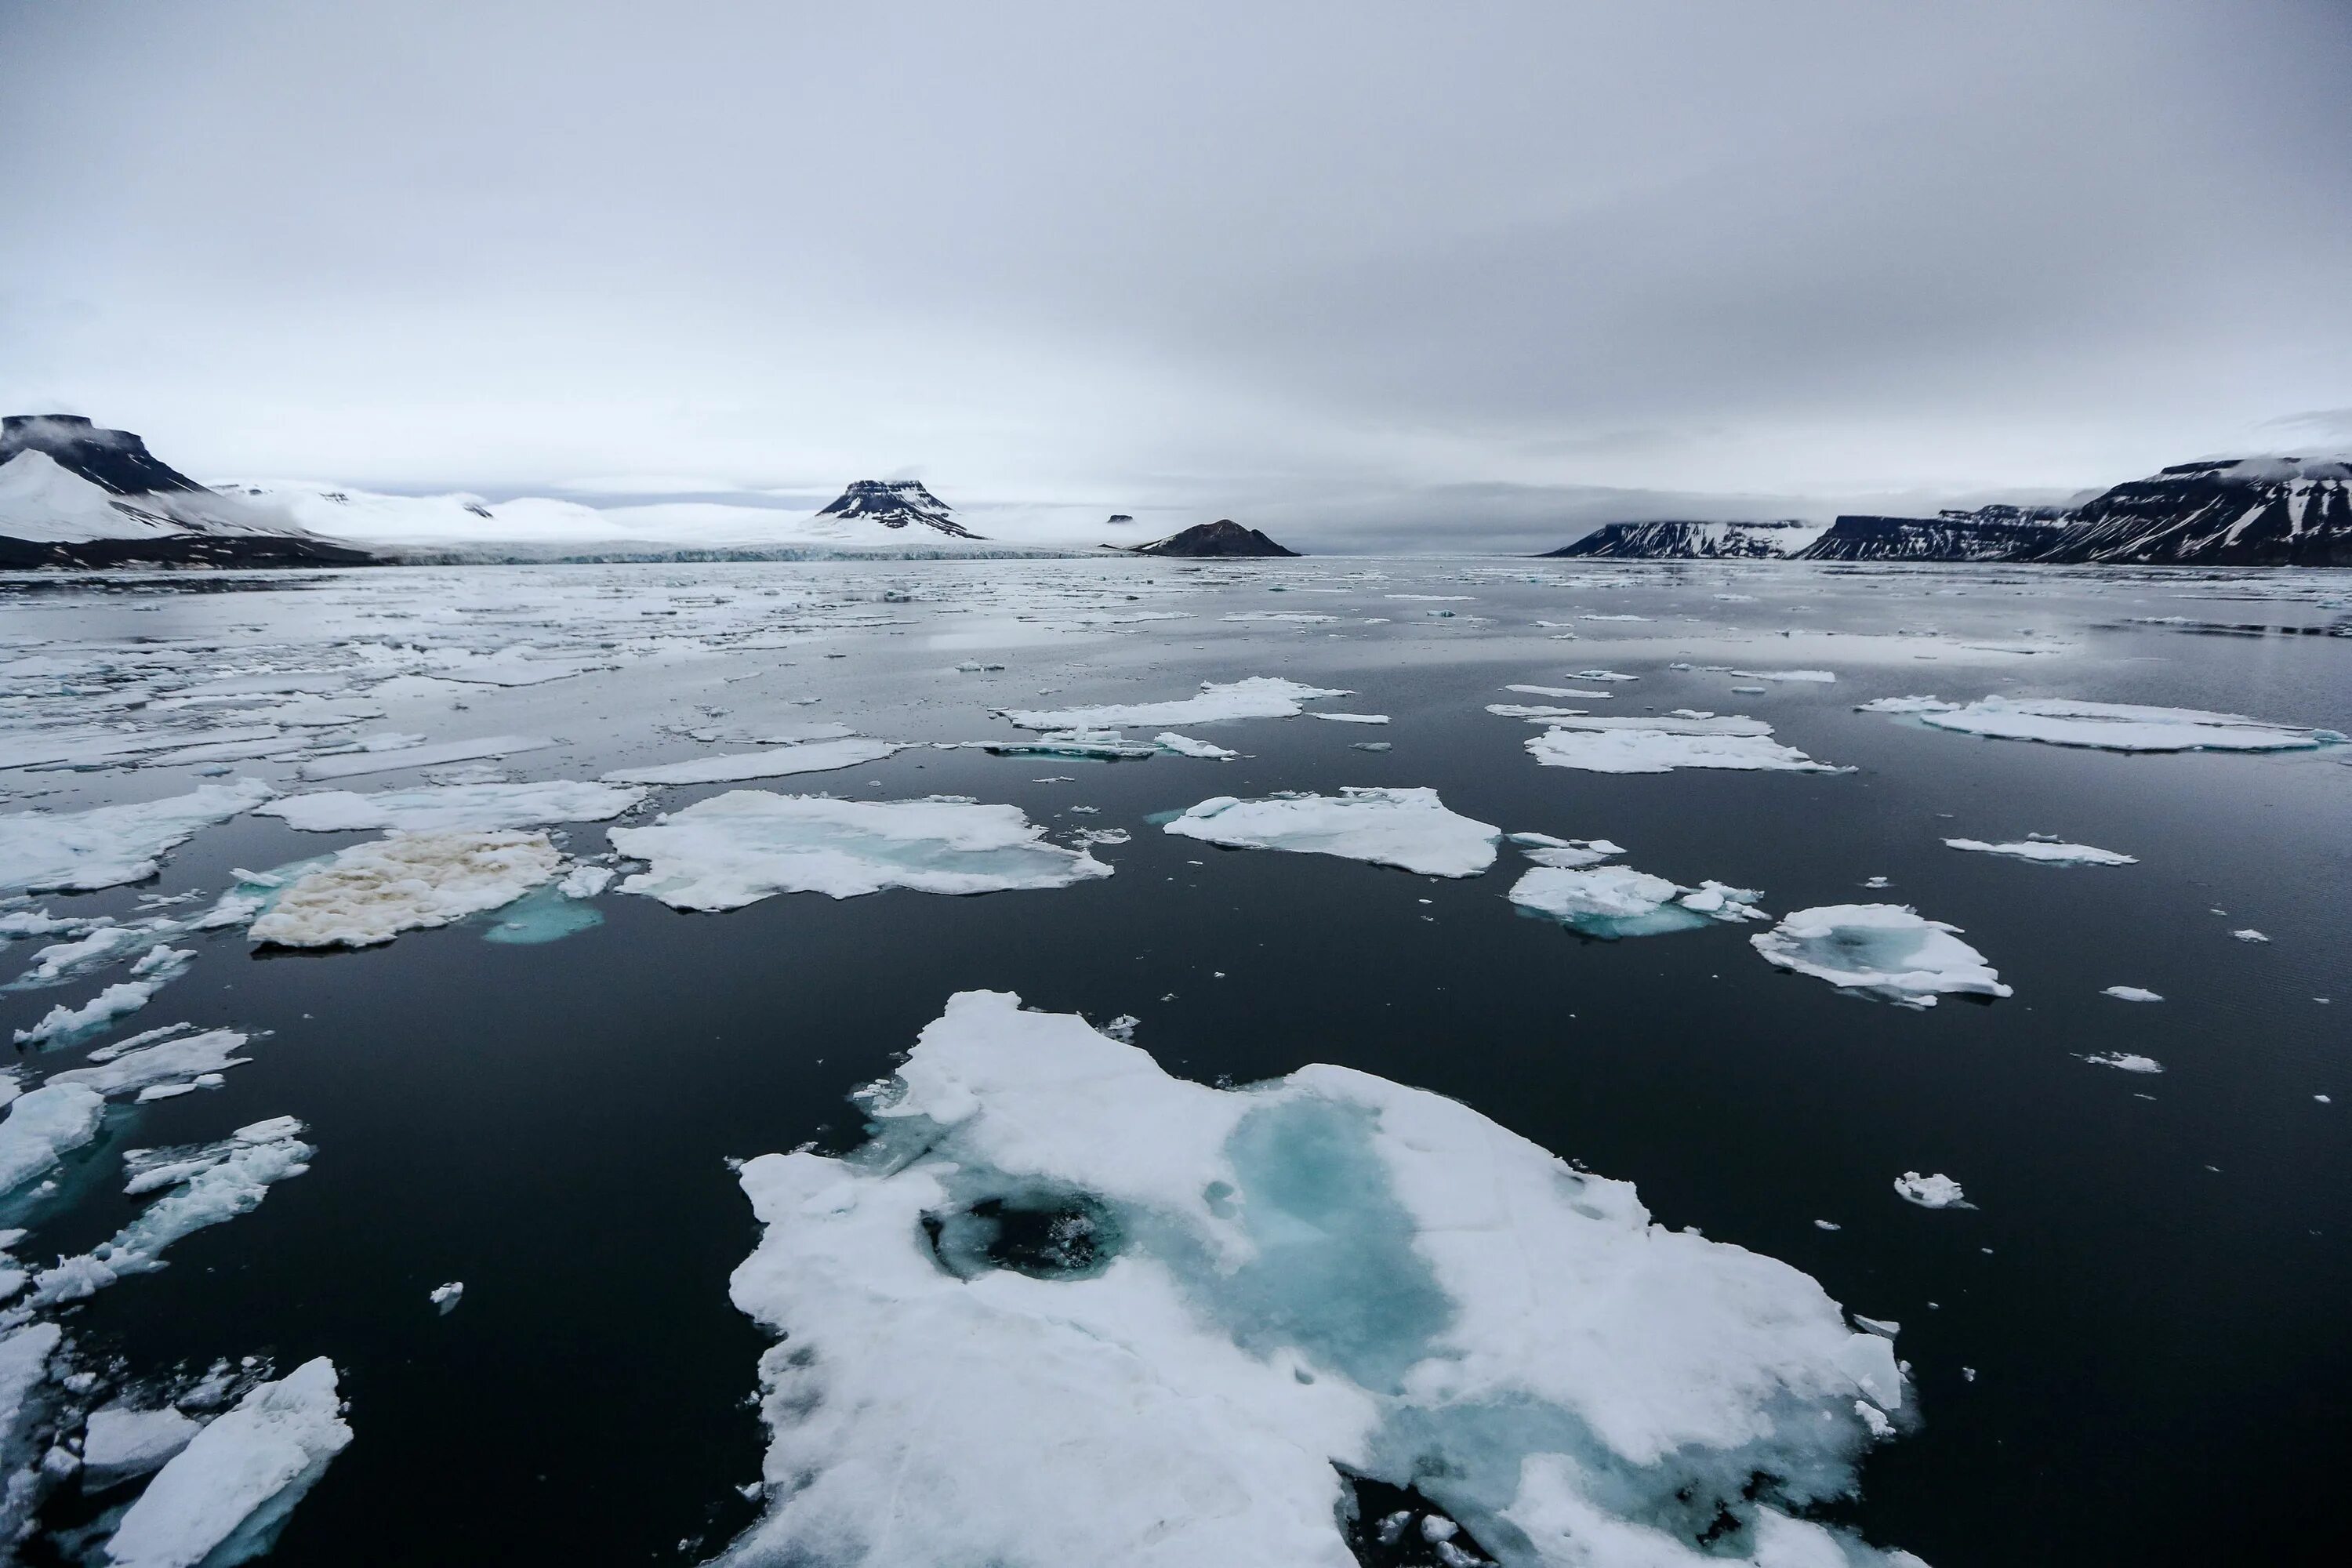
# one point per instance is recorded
(1327, 262)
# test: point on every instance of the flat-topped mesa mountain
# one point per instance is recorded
(2230, 511)
(72, 494)
(893, 503)
(1987, 533)
(1223, 539)
(1691, 540)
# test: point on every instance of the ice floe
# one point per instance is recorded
(2125, 1061)
(1185, 746)
(1662, 745)
(1256, 696)
(446, 1297)
(1931, 1192)
(746, 845)
(1884, 950)
(446, 807)
(119, 1442)
(204, 1185)
(138, 1065)
(1407, 828)
(2110, 726)
(118, 1001)
(1101, 745)
(392, 758)
(1348, 718)
(1066, 1309)
(224, 1497)
(1567, 853)
(110, 845)
(1611, 901)
(776, 763)
(2249, 934)
(2131, 993)
(2047, 851)
(42, 1126)
(372, 892)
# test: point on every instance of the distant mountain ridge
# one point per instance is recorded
(1694, 540)
(2226, 511)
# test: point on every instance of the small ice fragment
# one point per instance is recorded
(2045, 851)
(1185, 746)
(776, 761)
(1370, 746)
(2250, 934)
(1827, 1224)
(2125, 1061)
(2131, 993)
(1258, 696)
(1348, 718)
(63, 1023)
(41, 1126)
(446, 1297)
(1937, 1192)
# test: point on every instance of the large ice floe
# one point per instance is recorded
(1647, 745)
(1407, 828)
(42, 1126)
(448, 807)
(774, 762)
(1257, 697)
(372, 892)
(2045, 851)
(1064, 1309)
(1882, 950)
(224, 1497)
(738, 848)
(2108, 726)
(43, 852)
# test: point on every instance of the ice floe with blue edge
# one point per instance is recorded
(2108, 726)
(1256, 696)
(1408, 828)
(225, 1497)
(1886, 951)
(1611, 901)
(1066, 1310)
(372, 892)
(737, 848)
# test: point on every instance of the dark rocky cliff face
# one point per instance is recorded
(113, 461)
(1989, 534)
(1224, 538)
(1690, 541)
(2251, 511)
(900, 503)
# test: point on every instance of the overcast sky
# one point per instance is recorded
(1445, 266)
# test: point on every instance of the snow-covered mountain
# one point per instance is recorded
(892, 504)
(1987, 533)
(1687, 541)
(72, 494)
(2235, 511)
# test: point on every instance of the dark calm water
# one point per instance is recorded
(2151, 1292)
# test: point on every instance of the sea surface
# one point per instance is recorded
(2130, 1349)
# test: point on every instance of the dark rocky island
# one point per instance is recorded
(1223, 539)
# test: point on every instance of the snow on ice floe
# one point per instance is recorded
(1098, 745)
(1882, 950)
(1569, 852)
(372, 892)
(224, 1497)
(776, 763)
(446, 1297)
(1407, 828)
(159, 1059)
(204, 1185)
(1068, 1309)
(746, 845)
(110, 845)
(2125, 1061)
(2131, 993)
(2046, 851)
(1256, 696)
(448, 807)
(119, 1442)
(2108, 726)
(1931, 1192)
(62, 1023)
(1611, 901)
(1644, 745)
(1185, 746)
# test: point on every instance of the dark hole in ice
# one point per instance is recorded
(1045, 1236)
(1388, 1526)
